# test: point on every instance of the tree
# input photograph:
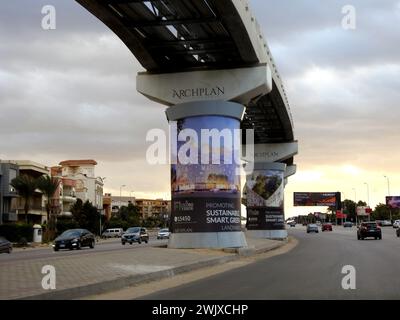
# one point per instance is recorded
(48, 186)
(381, 212)
(86, 215)
(25, 186)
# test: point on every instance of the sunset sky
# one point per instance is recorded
(70, 93)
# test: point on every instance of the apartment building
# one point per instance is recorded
(157, 207)
(8, 171)
(78, 181)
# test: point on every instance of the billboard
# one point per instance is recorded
(264, 196)
(364, 211)
(206, 197)
(393, 202)
(319, 199)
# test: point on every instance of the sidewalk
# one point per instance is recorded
(83, 275)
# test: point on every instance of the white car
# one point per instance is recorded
(396, 224)
(163, 234)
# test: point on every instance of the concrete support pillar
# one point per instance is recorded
(205, 188)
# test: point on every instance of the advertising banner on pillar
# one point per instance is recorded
(206, 191)
(264, 197)
(393, 202)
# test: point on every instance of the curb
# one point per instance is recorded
(123, 282)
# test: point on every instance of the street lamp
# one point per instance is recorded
(388, 184)
(388, 187)
(120, 190)
(355, 204)
(369, 216)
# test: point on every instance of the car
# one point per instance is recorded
(113, 233)
(163, 234)
(326, 227)
(347, 224)
(398, 232)
(304, 223)
(369, 229)
(5, 245)
(386, 223)
(396, 224)
(135, 234)
(74, 239)
(312, 227)
(292, 224)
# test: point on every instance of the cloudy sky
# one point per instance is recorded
(70, 93)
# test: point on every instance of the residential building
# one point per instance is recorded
(37, 212)
(157, 207)
(117, 202)
(78, 182)
(8, 171)
(107, 205)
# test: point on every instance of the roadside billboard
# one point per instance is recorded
(364, 211)
(312, 199)
(393, 202)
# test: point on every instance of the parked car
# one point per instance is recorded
(398, 232)
(74, 239)
(113, 233)
(348, 224)
(369, 229)
(396, 224)
(163, 234)
(135, 234)
(326, 227)
(5, 245)
(386, 223)
(292, 224)
(312, 227)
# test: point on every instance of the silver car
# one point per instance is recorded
(163, 234)
(312, 228)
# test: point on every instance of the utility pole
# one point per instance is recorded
(388, 188)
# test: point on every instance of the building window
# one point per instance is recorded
(12, 176)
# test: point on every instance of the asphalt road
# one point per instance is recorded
(40, 253)
(312, 270)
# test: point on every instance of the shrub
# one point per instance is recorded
(17, 231)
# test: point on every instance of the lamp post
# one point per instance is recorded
(355, 204)
(369, 216)
(388, 187)
(388, 184)
(120, 191)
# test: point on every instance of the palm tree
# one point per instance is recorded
(25, 186)
(48, 186)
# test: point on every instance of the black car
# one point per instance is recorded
(398, 232)
(5, 245)
(74, 239)
(369, 229)
(135, 234)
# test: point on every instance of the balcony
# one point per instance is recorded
(68, 198)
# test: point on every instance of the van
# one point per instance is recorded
(113, 233)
